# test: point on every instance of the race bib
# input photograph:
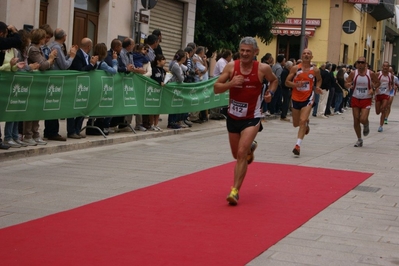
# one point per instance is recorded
(305, 86)
(238, 109)
(362, 90)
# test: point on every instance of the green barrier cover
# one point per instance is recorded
(29, 96)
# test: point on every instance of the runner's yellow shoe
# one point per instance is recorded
(232, 198)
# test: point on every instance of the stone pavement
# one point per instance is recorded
(361, 228)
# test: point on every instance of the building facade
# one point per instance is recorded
(104, 20)
(338, 31)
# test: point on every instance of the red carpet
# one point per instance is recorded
(185, 221)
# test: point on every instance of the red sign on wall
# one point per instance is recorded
(372, 2)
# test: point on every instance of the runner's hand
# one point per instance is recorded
(268, 97)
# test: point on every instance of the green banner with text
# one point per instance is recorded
(28, 96)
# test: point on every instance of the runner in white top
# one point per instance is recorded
(382, 93)
(362, 81)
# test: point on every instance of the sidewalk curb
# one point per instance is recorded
(90, 142)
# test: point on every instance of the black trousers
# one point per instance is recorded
(51, 128)
(286, 102)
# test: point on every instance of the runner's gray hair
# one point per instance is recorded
(250, 41)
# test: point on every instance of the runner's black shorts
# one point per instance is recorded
(236, 126)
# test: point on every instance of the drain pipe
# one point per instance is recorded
(134, 8)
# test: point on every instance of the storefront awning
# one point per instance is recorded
(292, 30)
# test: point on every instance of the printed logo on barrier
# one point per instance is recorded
(153, 95)
(19, 94)
(107, 92)
(82, 92)
(207, 95)
(227, 95)
(194, 97)
(129, 94)
(54, 90)
(216, 97)
(177, 99)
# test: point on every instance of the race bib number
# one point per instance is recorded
(362, 90)
(238, 109)
(304, 87)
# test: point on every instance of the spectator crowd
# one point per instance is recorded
(45, 49)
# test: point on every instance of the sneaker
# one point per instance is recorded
(13, 144)
(250, 156)
(267, 113)
(366, 130)
(297, 150)
(233, 197)
(380, 129)
(140, 128)
(158, 128)
(29, 142)
(20, 142)
(4, 146)
(338, 113)
(188, 123)
(39, 141)
(322, 116)
(358, 143)
(153, 128)
(386, 121)
(174, 126)
(106, 131)
(124, 129)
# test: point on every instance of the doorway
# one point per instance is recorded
(289, 46)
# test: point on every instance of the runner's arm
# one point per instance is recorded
(225, 82)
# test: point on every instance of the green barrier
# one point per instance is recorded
(28, 96)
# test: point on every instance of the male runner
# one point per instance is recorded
(243, 77)
(383, 93)
(301, 79)
(362, 81)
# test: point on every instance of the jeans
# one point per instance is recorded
(173, 118)
(316, 104)
(338, 100)
(74, 125)
(11, 131)
(275, 104)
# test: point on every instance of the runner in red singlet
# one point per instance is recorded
(243, 78)
(382, 93)
(301, 79)
(361, 81)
